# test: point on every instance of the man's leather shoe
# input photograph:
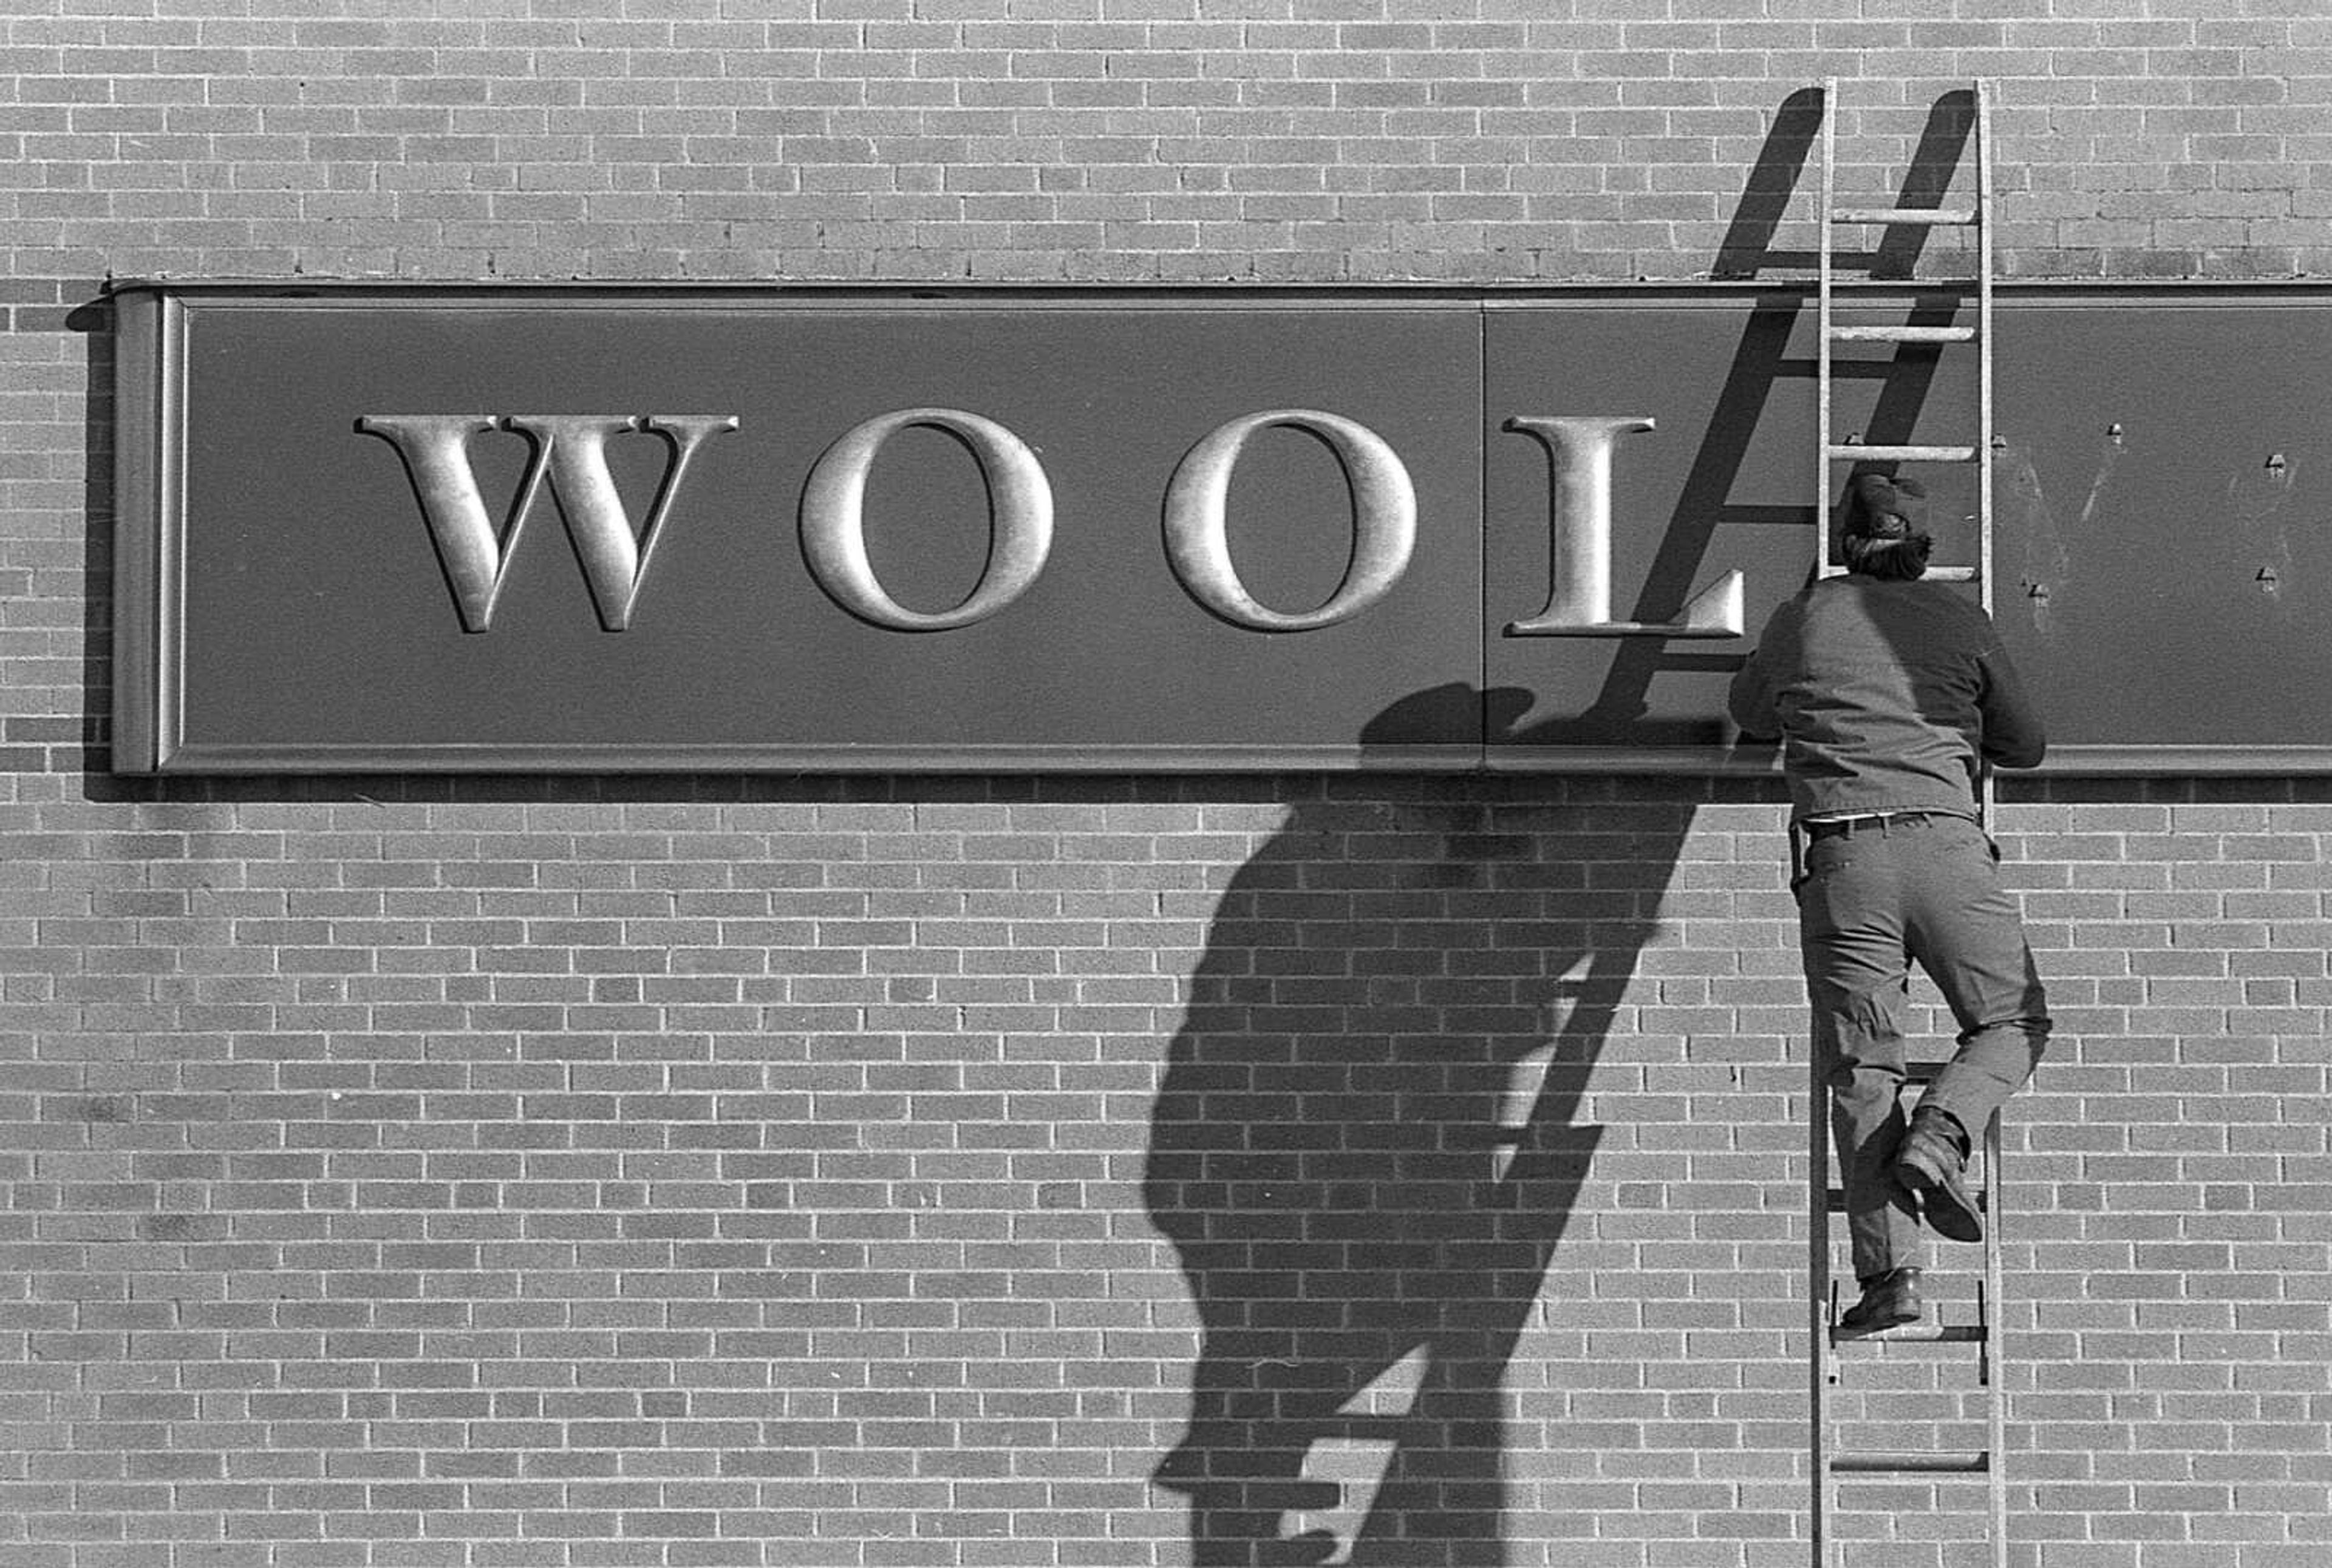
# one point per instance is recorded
(1930, 1164)
(1889, 1300)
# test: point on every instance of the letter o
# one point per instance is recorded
(1198, 537)
(833, 523)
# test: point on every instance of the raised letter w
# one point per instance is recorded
(572, 449)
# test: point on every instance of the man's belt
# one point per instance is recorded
(1879, 821)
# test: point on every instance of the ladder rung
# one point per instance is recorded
(1932, 217)
(1932, 574)
(1903, 334)
(1925, 1461)
(1916, 1334)
(1854, 451)
(1834, 1199)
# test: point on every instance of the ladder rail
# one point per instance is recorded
(1994, 1191)
(1823, 284)
(1818, 1287)
(1994, 1352)
(1825, 1485)
(1983, 430)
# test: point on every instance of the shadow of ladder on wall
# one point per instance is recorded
(1831, 1351)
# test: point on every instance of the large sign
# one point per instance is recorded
(373, 528)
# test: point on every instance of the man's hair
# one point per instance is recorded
(1882, 537)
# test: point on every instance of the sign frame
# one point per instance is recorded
(149, 481)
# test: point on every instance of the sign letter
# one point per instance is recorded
(834, 525)
(1579, 596)
(573, 450)
(1198, 537)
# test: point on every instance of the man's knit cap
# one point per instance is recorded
(1880, 507)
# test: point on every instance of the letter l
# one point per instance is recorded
(1579, 596)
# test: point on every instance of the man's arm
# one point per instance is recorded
(1750, 700)
(2014, 736)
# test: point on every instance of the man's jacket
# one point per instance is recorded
(1884, 694)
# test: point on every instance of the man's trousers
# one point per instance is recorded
(1869, 900)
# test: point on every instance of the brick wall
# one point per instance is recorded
(1094, 138)
(1077, 1171)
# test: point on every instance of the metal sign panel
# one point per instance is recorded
(380, 528)
(530, 530)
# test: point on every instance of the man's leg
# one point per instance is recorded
(1851, 937)
(1967, 932)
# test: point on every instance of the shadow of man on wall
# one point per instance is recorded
(1366, 1148)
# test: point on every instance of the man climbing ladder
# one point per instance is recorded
(1887, 692)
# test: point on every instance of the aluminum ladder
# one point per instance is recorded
(1828, 1465)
